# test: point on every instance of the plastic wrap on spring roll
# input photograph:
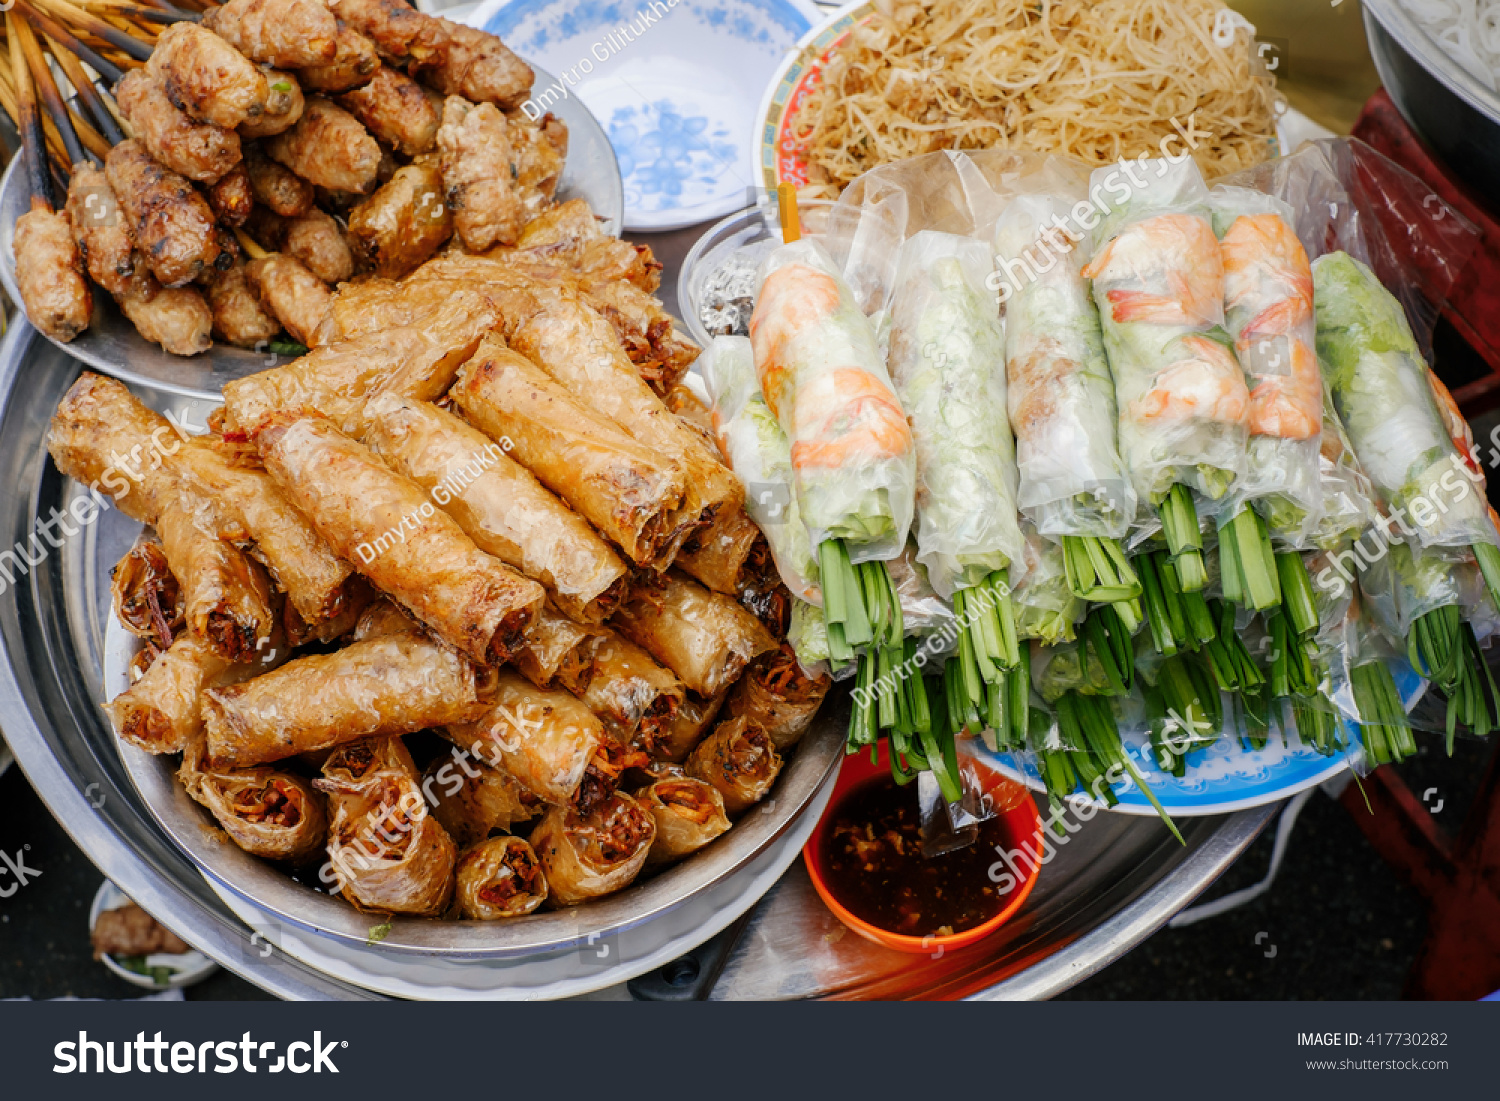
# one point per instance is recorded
(589, 856)
(544, 738)
(947, 359)
(391, 684)
(689, 814)
(267, 812)
(558, 653)
(751, 439)
(499, 878)
(739, 761)
(777, 696)
(499, 504)
(397, 537)
(704, 637)
(672, 741)
(1046, 608)
(613, 481)
(822, 374)
(1059, 392)
(144, 595)
(387, 853)
(635, 698)
(471, 799)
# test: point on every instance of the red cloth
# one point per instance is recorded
(1474, 300)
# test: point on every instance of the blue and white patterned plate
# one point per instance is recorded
(1228, 776)
(674, 82)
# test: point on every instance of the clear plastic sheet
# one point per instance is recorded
(1044, 604)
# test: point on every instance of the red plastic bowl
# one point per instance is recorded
(1022, 825)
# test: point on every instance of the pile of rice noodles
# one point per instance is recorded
(1467, 30)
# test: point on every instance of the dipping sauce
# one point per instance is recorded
(873, 864)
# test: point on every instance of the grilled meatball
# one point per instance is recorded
(479, 67)
(232, 197)
(99, 228)
(278, 189)
(296, 296)
(400, 32)
(313, 238)
(397, 110)
(479, 174)
(329, 148)
(177, 318)
(198, 150)
(206, 76)
(289, 34)
(282, 109)
(171, 224)
(49, 273)
(403, 223)
(353, 64)
(238, 315)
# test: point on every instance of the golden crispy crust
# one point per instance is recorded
(397, 110)
(289, 34)
(172, 225)
(479, 172)
(99, 227)
(329, 148)
(49, 272)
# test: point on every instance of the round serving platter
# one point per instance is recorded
(112, 345)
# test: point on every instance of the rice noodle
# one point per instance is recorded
(1467, 30)
(1098, 79)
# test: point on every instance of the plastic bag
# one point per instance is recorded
(1044, 605)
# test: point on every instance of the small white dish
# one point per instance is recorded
(175, 970)
(674, 84)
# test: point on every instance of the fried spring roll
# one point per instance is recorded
(177, 318)
(206, 76)
(661, 355)
(500, 878)
(277, 188)
(226, 597)
(570, 232)
(50, 276)
(398, 538)
(328, 147)
(704, 637)
(354, 63)
(160, 712)
(290, 292)
(103, 241)
(314, 238)
(625, 489)
(192, 148)
(471, 799)
(289, 34)
(103, 437)
(688, 813)
(558, 653)
(393, 684)
(680, 399)
(145, 596)
(499, 504)
(388, 854)
(543, 737)
(775, 695)
(171, 224)
(479, 174)
(635, 698)
(238, 316)
(717, 555)
(267, 812)
(540, 148)
(589, 856)
(739, 760)
(674, 740)
(397, 111)
(404, 223)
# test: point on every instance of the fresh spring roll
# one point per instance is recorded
(589, 856)
(338, 379)
(269, 813)
(822, 374)
(144, 594)
(558, 652)
(390, 684)
(1059, 392)
(689, 814)
(775, 695)
(544, 738)
(499, 878)
(499, 504)
(471, 800)
(704, 637)
(634, 697)
(574, 344)
(1268, 310)
(387, 852)
(1383, 397)
(673, 741)
(397, 537)
(1046, 607)
(226, 596)
(1158, 279)
(751, 439)
(739, 761)
(1348, 498)
(947, 360)
(613, 481)
(302, 564)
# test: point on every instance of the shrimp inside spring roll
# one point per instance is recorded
(500, 878)
(586, 856)
(688, 813)
(739, 760)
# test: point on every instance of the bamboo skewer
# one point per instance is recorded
(122, 40)
(60, 34)
(92, 99)
(29, 122)
(62, 118)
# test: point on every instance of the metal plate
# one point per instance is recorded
(112, 345)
